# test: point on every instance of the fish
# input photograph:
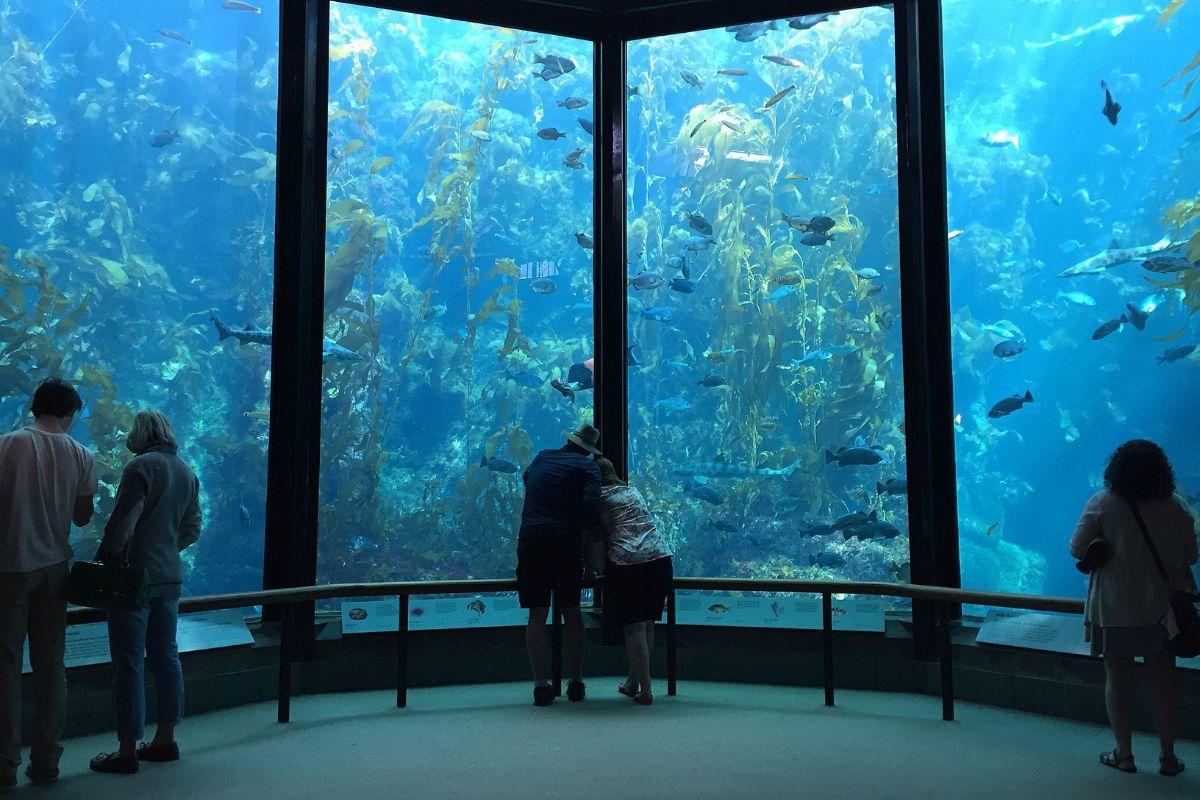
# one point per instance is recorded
(1113, 257)
(682, 285)
(244, 515)
(525, 378)
(796, 176)
(170, 34)
(658, 314)
(854, 519)
(678, 264)
(646, 280)
(875, 529)
(698, 222)
(696, 129)
(954, 234)
(712, 381)
(784, 61)
(1001, 138)
(1136, 316)
(502, 465)
(1112, 326)
(775, 98)
(1010, 404)
(238, 5)
(572, 103)
(1111, 108)
(828, 560)
(705, 493)
(691, 79)
(1175, 353)
(991, 529)
(780, 293)
(330, 351)
(858, 455)
(734, 72)
(731, 126)
(892, 486)
(1009, 348)
(807, 21)
(866, 273)
(751, 30)
(572, 159)
(1078, 298)
(482, 136)
(478, 606)
(559, 64)
(1168, 264)
(563, 389)
(163, 138)
(721, 469)
(672, 404)
(543, 286)
(551, 134)
(718, 608)
(1110, 367)
(815, 239)
(821, 223)
(698, 243)
(584, 240)
(632, 91)
(788, 276)
(586, 124)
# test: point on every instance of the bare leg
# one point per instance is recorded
(1160, 669)
(1118, 696)
(639, 655)
(573, 641)
(535, 644)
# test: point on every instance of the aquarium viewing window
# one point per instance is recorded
(764, 296)
(458, 279)
(139, 175)
(1072, 297)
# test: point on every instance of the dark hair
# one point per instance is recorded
(56, 398)
(1139, 470)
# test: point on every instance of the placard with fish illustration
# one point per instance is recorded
(433, 613)
(801, 612)
(1056, 633)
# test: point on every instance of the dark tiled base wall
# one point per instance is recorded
(1035, 682)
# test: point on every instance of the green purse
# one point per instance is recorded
(101, 584)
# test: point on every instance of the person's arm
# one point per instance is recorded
(1087, 530)
(131, 496)
(85, 500)
(1190, 553)
(189, 528)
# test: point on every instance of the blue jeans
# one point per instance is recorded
(135, 638)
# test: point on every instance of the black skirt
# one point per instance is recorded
(636, 593)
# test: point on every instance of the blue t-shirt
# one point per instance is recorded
(562, 488)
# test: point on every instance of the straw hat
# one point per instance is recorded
(586, 437)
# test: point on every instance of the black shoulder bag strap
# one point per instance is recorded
(1150, 545)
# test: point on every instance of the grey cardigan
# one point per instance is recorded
(157, 514)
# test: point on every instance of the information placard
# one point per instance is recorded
(798, 612)
(371, 616)
(1034, 630)
(433, 613)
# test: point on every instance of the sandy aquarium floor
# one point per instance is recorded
(712, 741)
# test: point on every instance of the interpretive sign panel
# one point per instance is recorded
(1034, 630)
(433, 613)
(798, 612)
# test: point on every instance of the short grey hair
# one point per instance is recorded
(150, 429)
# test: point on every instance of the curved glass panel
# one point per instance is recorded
(458, 287)
(139, 177)
(1073, 318)
(767, 401)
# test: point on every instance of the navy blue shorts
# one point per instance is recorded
(549, 562)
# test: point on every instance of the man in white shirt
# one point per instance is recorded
(47, 481)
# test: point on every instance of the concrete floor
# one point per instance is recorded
(726, 741)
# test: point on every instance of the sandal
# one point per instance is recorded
(1170, 767)
(1124, 764)
(627, 690)
(643, 698)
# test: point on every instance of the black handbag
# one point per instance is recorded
(111, 585)
(1186, 643)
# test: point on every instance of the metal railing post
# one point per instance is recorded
(556, 646)
(827, 644)
(946, 657)
(284, 699)
(672, 664)
(402, 654)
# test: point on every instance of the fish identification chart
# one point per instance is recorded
(849, 613)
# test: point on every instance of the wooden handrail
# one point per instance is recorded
(304, 594)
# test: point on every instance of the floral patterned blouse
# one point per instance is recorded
(632, 535)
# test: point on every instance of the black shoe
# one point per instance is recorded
(41, 774)
(114, 764)
(576, 691)
(149, 752)
(543, 695)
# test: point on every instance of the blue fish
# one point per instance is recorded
(698, 243)
(780, 293)
(244, 515)
(498, 464)
(674, 403)
(682, 285)
(525, 378)
(658, 314)
(705, 493)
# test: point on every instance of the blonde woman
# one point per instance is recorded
(156, 517)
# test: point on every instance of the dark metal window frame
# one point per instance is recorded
(294, 452)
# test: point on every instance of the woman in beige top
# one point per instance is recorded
(1128, 600)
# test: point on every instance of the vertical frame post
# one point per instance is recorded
(556, 645)
(827, 644)
(402, 655)
(294, 449)
(284, 698)
(609, 259)
(925, 309)
(672, 648)
(946, 659)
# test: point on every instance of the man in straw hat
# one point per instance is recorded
(562, 493)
